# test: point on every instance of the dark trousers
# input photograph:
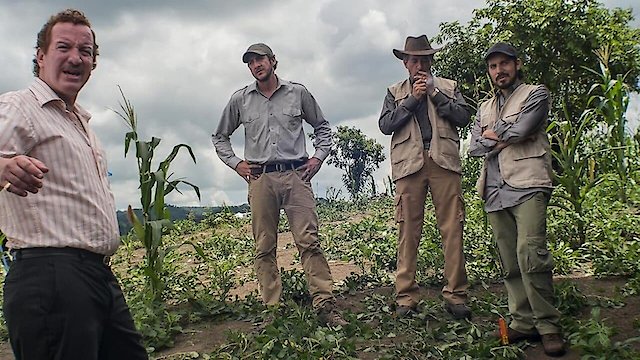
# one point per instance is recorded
(68, 307)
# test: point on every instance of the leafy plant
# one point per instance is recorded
(611, 102)
(356, 155)
(577, 174)
(593, 340)
(154, 187)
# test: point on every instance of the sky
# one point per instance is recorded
(178, 62)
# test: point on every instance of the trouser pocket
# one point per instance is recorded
(539, 258)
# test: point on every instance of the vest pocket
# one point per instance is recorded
(539, 258)
(449, 133)
(526, 151)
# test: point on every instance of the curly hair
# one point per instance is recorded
(73, 16)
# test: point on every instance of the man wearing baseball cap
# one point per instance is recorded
(278, 171)
(515, 183)
(423, 113)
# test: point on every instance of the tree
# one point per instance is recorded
(357, 155)
(557, 40)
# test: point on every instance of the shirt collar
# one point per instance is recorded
(44, 95)
(281, 83)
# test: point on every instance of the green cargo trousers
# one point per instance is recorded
(520, 233)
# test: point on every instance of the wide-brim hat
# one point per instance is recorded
(259, 48)
(418, 46)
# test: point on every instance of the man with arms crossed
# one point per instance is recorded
(515, 183)
(61, 299)
(279, 171)
(423, 113)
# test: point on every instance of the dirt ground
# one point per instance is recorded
(205, 336)
(202, 338)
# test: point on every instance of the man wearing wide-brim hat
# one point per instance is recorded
(423, 114)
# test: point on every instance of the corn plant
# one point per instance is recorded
(610, 99)
(577, 174)
(154, 187)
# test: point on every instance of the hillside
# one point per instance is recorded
(196, 213)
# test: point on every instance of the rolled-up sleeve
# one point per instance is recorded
(229, 122)
(322, 130)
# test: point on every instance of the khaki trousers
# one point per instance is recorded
(520, 233)
(267, 195)
(446, 192)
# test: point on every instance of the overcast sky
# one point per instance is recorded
(180, 61)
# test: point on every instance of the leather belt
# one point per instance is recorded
(279, 166)
(32, 253)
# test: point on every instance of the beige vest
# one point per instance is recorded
(524, 164)
(407, 150)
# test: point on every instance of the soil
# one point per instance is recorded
(202, 338)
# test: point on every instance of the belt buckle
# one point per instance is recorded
(106, 260)
(281, 167)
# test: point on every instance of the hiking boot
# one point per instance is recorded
(515, 336)
(330, 316)
(405, 311)
(553, 344)
(458, 311)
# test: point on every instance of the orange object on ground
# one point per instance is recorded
(504, 337)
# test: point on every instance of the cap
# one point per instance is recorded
(259, 48)
(502, 48)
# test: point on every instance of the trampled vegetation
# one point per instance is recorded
(593, 222)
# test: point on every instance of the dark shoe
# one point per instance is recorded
(330, 316)
(458, 311)
(404, 311)
(517, 336)
(553, 344)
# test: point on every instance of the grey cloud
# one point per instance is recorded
(179, 62)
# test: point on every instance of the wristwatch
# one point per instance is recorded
(435, 92)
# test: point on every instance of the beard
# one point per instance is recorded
(265, 76)
(503, 83)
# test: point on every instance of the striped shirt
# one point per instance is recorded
(75, 207)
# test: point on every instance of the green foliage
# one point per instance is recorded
(593, 339)
(294, 286)
(569, 299)
(372, 246)
(225, 218)
(293, 333)
(577, 175)
(610, 98)
(556, 39)
(154, 187)
(356, 155)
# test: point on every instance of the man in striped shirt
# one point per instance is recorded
(61, 299)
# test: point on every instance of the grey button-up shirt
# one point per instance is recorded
(272, 126)
(498, 194)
